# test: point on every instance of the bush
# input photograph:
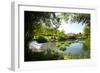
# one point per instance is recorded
(42, 56)
(86, 43)
(61, 39)
(41, 39)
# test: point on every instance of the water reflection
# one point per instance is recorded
(74, 50)
(77, 50)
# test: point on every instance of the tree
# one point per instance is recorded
(33, 22)
(86, 32)
(77, 17)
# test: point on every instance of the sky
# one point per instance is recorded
(71, 27)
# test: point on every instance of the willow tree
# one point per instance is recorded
(83, 18)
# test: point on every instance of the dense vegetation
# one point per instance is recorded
(43, 27)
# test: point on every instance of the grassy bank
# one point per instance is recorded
(63, 44)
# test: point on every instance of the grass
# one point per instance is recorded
(70, 56)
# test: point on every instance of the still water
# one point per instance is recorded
(75, 50)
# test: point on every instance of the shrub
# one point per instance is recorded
(86, 43)
(42, 56)
(61, 39)
(41, 39)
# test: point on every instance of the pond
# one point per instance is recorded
(74, 50)
(77, 51)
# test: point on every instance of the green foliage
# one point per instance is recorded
(86, 44)
(84, 18)
(43, 27)
(63, 44)
(61, 38)
(77, 17)
(45, 55)
(71, 56)
(86, 37)
(86, 32)
(34, 21)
